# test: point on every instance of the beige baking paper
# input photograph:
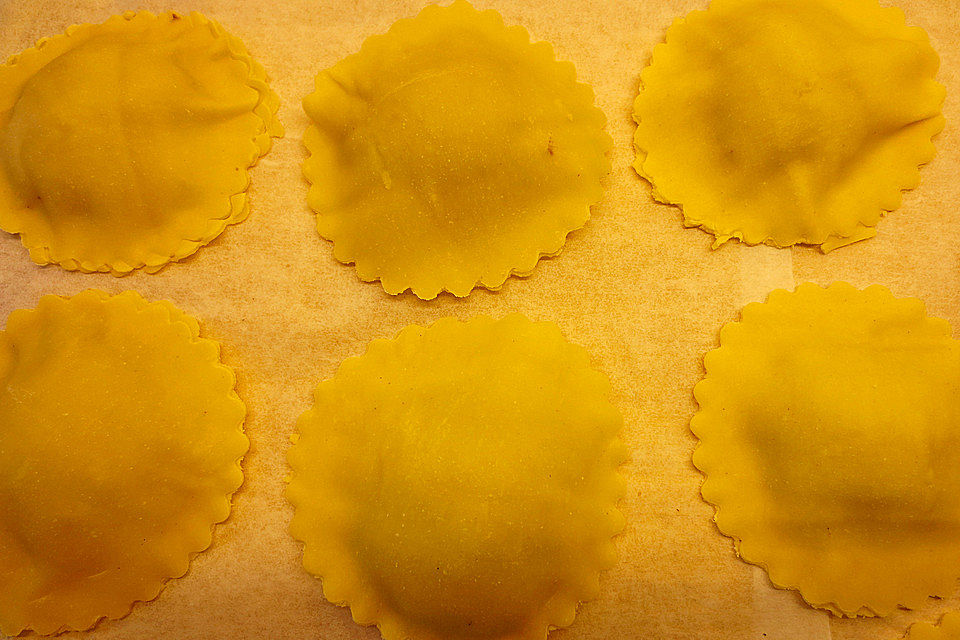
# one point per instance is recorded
(644, 295)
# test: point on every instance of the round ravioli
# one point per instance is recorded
(126, 144)
(788, 121)
(451, 152)
(947, 629)
(120, 442)
(829, 429)
(460, 481)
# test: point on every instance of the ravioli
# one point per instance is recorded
(829, 430)
(947, 629)
(125, 145)
(460, 481)
(788, 121)
(450, 153)
(120, 442)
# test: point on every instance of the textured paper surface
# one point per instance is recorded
(644, 295)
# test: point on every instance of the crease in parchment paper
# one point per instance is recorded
(780, 615)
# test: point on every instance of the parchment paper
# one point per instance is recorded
(644, 295)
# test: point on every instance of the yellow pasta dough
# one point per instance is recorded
(451, 152)
(829, 429)
(460, 481)
(947, 629)
(126, 144)
(120, 441)
(788, 121)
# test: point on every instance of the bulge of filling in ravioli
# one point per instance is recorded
(120, 441)
(829, 425)
(450, 152)
(788, 121)
(126, 144)
(460, 481)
